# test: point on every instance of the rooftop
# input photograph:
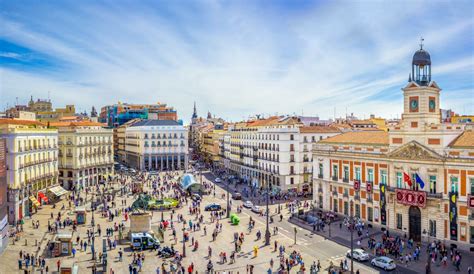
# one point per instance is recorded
(465, 140)
(10, 121)
(319, 129)
(359, 137)
(77, 124)
(150, 123)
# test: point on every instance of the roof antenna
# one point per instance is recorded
(421, 43)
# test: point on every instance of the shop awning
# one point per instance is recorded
(58, 191)
(34, 201)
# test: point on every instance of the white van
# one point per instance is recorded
(143, 241)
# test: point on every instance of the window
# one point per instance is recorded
(292, 158)
(335, 172)
(292, 137)
(370, 175)
(399, 221)
(399, 180)
(432, 228)
(292, 170)
(334, 205)
(370, 214)
(292, 147)
(321, 202)
(146, 136)
(454, 184)
(346, 208)
(292, 180)
(357, 211)
(432, 183)
(357, 173)
(472, 185)
(320, 170)
(383, 177)
(346, 173)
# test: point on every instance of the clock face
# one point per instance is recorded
(414, 104)
(432, 105)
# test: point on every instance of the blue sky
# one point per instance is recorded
(235, 58)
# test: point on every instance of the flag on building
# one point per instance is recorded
(407, 179)
(419, 181)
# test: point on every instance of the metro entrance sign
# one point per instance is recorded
(411, 197)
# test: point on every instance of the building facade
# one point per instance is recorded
(156, 145)
(120, 113)
(3, 196)
(85, 153)
(273, 152)
(31, 164)
(417, 178)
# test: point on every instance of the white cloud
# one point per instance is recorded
(234, 61)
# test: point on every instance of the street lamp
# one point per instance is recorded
(184, 242)
(228, 202)
(351, 226)
(267, 231)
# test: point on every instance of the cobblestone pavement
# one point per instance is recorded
(311, 246)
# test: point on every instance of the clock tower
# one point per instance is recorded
(421, 95)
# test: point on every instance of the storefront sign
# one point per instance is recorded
(369, 187)
(383, 202)
(356, 185)
(411, 197)
(453, 216)
(470, 201)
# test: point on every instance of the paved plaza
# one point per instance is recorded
(310, 246)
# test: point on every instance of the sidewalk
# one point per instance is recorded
(342, 236)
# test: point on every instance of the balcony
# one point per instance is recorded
(334, 178)
(434, 195)
(320, 175)
(345, 195)
(69, 155)
(345, 180)
(369, 200)
(334, 192)
(357, 196)
(320, 189)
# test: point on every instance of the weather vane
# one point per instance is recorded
(421, 42)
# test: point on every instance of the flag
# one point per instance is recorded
(407, 179)
(419, 181)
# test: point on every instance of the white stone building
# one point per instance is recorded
(157, 145)
(85, 153)
(31, 164)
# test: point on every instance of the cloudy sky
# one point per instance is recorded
(235, 58)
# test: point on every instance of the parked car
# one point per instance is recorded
(213, 207)
(383, 262)
(256, 209)
(248, 204)
(237, 196)
(196, 197)
(218, 180)
(359, 255)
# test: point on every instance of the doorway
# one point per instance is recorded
(415, 223)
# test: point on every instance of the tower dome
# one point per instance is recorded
(421, 57)
(421, 66)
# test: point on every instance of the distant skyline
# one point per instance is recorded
(235, 58)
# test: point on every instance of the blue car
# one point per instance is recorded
(213, 207)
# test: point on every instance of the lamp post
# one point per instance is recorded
(184, 242)
(267, 231)
(228, 201)
(351, 226)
